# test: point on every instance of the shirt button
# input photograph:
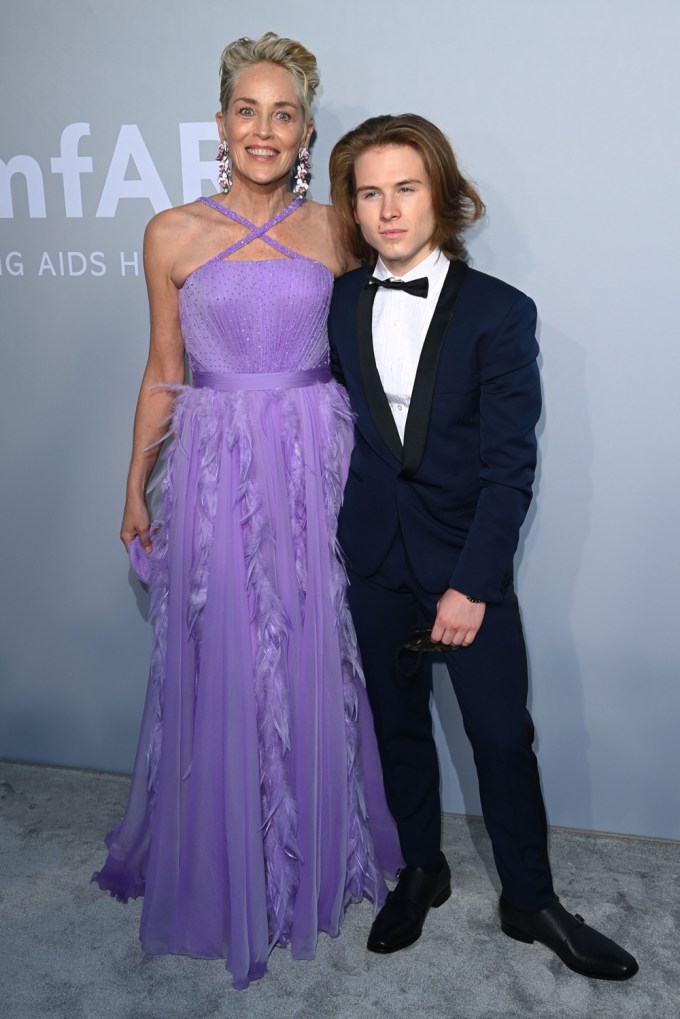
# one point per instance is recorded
(399, 407)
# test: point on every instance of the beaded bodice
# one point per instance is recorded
(258, 316)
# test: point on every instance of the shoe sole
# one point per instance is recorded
(517, 935)
(379, 949)
(442, 898)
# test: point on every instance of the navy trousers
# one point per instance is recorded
(490, 682)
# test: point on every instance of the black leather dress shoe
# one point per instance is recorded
(400, 921)
(579, 946)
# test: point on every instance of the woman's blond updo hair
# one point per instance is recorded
(272, 49)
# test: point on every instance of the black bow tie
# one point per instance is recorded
(417, 287)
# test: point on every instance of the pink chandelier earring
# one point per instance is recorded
(224, 163)
(302, 173)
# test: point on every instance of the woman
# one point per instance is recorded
(256, 812)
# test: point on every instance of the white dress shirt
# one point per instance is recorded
(400, 324)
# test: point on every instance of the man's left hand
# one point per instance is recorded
(458, 619)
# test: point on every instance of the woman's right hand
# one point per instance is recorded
(165, 239)
(136, 522)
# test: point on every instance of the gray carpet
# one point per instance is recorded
(70, 952)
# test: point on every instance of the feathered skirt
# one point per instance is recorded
(256, 811)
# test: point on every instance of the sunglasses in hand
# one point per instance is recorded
(419, 643)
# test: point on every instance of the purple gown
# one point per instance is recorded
(256, 810)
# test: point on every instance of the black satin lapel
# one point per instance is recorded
(375, 394)
(418, 420)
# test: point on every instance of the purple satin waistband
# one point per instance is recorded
(261, 380)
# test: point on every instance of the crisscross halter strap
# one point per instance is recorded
(260, 380)
(255, 231)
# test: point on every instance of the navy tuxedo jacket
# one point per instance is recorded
(460, 486)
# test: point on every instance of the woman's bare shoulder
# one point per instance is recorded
(324, 220)
(318, 212)
(175, 224)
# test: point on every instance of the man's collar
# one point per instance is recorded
(434, 265)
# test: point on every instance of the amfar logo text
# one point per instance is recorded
(130, 148)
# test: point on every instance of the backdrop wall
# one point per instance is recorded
(562, 112)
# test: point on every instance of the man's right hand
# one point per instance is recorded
(458, 620)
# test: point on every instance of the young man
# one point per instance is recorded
(440, 364)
